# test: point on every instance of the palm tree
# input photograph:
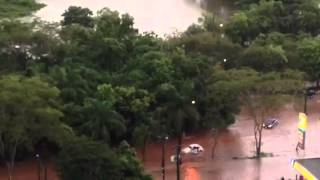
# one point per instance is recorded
(104, 123)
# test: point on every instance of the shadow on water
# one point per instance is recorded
(257, 166)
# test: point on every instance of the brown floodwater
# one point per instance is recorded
(235, 149)
(160, 16)
(231, 160)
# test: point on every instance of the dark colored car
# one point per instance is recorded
(270, 123)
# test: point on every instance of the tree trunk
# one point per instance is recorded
(10, 167)
(9, 171)
(10, 162)
(215, 142)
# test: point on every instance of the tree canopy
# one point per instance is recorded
(18, 8)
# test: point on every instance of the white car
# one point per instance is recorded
(193, 149)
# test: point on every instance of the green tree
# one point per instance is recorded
(283, 46)
(14, 9)
(269, 16)
(110, 24)
(221, 104)
(309, 53)
(134, 104)
(130, 166)
(29, 112)
(77, 15)
(264, 58)
(102, 121)
(15, 38)
(240, 28)
(84, 159)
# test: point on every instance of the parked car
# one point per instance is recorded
(270, 123)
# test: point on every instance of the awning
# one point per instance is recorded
(308, 168)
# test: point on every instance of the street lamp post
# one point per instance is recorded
(163, 162)
(39, 166)
(305, 102)
(178, 156)
(178, 152)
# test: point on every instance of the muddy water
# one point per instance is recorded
(235, 147)
(161, 16)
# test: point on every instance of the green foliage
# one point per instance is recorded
(115, 84)
(29, 112)
(29, 108)
(130, 166)
(18, 8)
(83, 159)
(110, 24)
(103, 123)
(269, 16)
(77, 15)
(264, 58)
(238, 27)
(130, 99)
(309, 53)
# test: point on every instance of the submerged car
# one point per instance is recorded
(193, 149)
(270, 123)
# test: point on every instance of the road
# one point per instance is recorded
(236, 144)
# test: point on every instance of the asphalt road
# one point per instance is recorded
(236, 144)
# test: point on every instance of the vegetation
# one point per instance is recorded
(84, 159)
(99, 84)
(18, 8)
(29, 113)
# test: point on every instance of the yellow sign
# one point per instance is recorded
(303, 121)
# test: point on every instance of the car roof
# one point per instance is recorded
(270, 120)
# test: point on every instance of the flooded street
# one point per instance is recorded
(236, 145)
(161, 16)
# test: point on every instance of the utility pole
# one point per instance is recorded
(305, 101)
(39, 166)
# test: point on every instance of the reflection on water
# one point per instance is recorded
(160, 16)
(191, 173)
